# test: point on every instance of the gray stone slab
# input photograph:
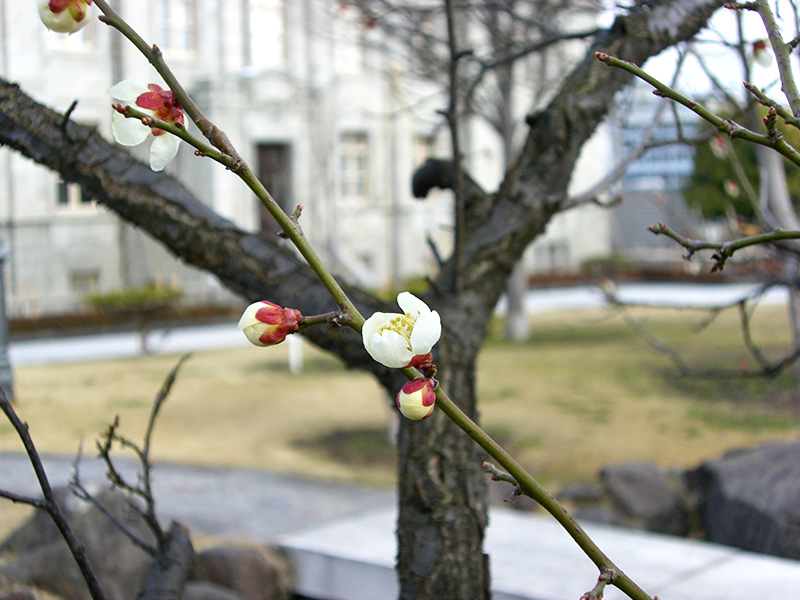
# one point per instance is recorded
(533, 558)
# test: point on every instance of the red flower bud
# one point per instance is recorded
(267, 324)
(416, 399)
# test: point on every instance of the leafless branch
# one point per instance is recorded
(142, 489)
(745, 306)
(49, 502)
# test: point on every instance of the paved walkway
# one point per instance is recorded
(234, 504)
(340, 539)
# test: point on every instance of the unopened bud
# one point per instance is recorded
(64, 16)
(416, 399)
(267, 324)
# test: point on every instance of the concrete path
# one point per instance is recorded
(245, 504)
(341, 545)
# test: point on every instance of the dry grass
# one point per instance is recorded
(583, 392)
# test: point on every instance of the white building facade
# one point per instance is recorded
(306, 94)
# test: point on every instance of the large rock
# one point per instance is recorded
(750, 499)
(646, 497)
(251, 572)
(36, 554)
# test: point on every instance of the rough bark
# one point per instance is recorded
(441, 488)
(442, 502)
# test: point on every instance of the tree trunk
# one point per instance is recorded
(442, 498)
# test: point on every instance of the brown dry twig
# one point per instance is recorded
(48, 503)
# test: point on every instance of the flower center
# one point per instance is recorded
(403, 325)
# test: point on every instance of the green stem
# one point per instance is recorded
(202, 148)
(535, 490)
(153, 55)
(232, 160)
(726, 126)
(782, 55)
(295, 234)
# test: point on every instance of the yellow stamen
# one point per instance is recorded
(402, 325)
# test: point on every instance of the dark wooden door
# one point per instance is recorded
(275, 172)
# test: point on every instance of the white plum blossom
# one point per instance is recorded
(394, 339)
(153, 100)
(64, 16)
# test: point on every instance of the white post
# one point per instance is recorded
(295, 346)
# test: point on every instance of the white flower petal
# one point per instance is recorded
(374, 324)
(253, 333)
(128, 132)
(249, 316)
(163, 150)
(127, 91)
(389, 348)
(411, 304)
(427, 331)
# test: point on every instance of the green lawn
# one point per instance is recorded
(583, 392)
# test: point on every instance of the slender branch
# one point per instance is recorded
(618, 172)
(79, 490)
(290, 227)
(782, 55)
(19, 499)
(535, 490)
(144, 488)
(724, 250)
(726, 126)
(454, 123)
(49, 503)
(766, 368)
(201, 149)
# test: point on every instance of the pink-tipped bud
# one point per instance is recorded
(762, 53)
(416, 399)
(267, 324)
(64, 16)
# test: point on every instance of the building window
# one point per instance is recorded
(83, 283)
(70, 196)
(266, 33)
(354, 166)
(175, 25)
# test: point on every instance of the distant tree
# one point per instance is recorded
(716, 188)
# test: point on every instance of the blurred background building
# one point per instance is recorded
(315, 99)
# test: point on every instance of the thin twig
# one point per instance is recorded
(727, 126)
(49, 503)
(723, 250)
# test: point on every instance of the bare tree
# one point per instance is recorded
(441, 485)
(775, 213)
